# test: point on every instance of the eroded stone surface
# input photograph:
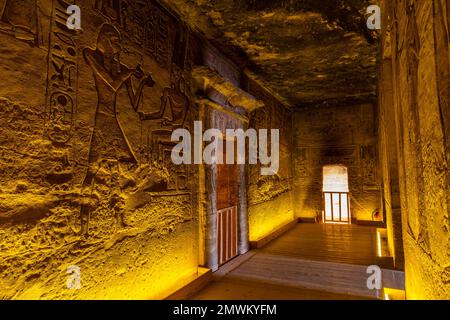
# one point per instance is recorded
(304, 51)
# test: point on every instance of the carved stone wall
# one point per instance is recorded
(327, 135)
(225, 187)
(417, 34)
(85, 169)
(270, 198)
(389, 149)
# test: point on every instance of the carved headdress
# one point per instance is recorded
(106, 34)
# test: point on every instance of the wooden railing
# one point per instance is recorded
(342, 212)
(227, 237)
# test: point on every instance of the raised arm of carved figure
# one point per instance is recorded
(135, 95)
(99, 69)
(158, 114)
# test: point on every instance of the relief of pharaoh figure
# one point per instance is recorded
(108, 142)
(21, 16)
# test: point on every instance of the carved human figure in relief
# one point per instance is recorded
(174, 106)
(109, 8)
(21, 16)
(108, 142)
(172, 115)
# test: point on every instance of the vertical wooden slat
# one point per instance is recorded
(340, 207)
(324, 206)
(227, 234)
(232, 234)
(236, 231)
(348, 208)
(334, 213)
(230, 238)
(332, 207)
(224, 240)
(227, 222)
(219, 238)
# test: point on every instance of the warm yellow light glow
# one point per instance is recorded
(335, 188)
(267, 227)
(328, 214)
(265, 218)
(394, 294)
(335, 179)
(378, 244)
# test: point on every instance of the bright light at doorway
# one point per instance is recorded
(336, 194)
(335, 179)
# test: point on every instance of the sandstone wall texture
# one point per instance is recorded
(336, 135)
(85, 170)
(87, 181)
(416, 64)
(387, 133)
(270, 198)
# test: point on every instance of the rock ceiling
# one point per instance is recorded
(305, 51)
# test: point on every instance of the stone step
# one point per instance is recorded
(320, 275)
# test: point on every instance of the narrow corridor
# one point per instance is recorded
(311, 261)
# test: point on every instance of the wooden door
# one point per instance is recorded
(227, 210)
(227, 234)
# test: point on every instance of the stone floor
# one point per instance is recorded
(310, 261)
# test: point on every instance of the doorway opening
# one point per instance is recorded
(227, 210)
(336, 200)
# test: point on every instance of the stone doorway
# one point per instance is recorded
(336, 196)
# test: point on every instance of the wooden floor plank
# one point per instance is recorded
(327, 242)
(311, 261)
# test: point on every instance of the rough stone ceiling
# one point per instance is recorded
(305, 51)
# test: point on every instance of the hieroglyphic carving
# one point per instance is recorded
(301, 162)
(368, 165)
(174, 104)
(156, 33)
(145, 24)
(109, 143)
(322, 156)
(62, 76)
(111, 9)
(21, 19)
(414, 158)
(174, 112)
(335, 155)
(441, 26)
(175, 109)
